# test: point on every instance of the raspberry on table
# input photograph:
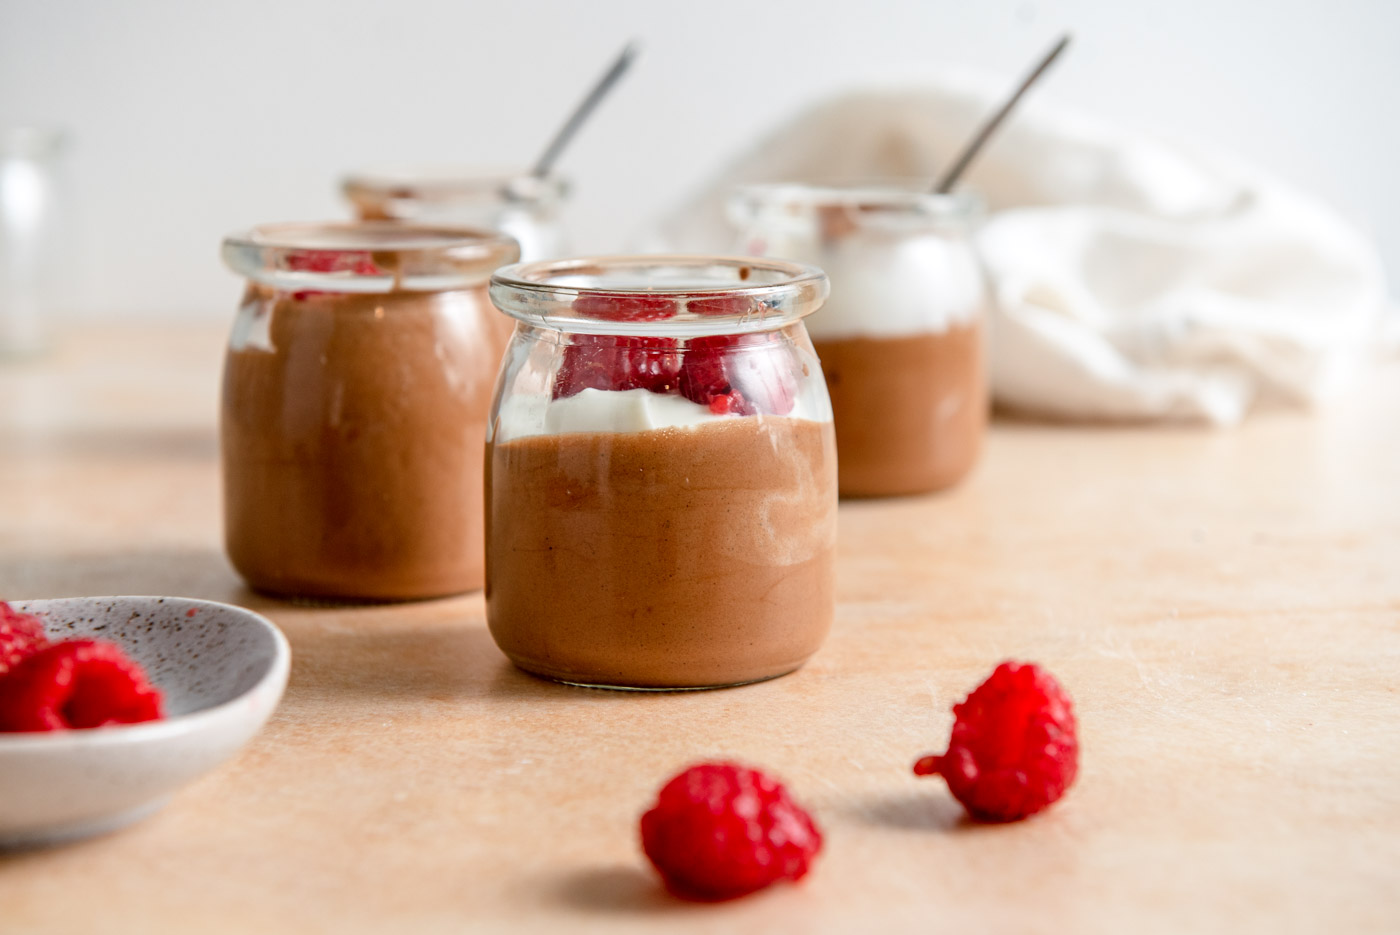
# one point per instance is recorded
(21, 635)
(76, 684)
(720, 830)
(1014, 748)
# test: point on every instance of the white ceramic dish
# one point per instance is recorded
(222, 670)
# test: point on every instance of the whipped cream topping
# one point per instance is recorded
(889, 284)
(639, 410)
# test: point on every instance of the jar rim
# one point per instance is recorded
(367, 256)
(873, 196)
(445, 183)
(759, 293)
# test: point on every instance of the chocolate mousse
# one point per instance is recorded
(661, 472)
(672, 558)
(910, 411)
(900, 339)
(352, 433)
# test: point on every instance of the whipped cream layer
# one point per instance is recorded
(590, 410)
(889, 284)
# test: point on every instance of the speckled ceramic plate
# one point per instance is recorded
(222, 670)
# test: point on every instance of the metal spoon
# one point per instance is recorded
(974, 146)
(585, 107)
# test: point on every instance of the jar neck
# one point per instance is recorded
(678, 296)
(831, 212)
(407, 194)
(367, 257)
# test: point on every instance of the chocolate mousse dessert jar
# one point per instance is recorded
(356, 389)
(661, 472)
(901, 337)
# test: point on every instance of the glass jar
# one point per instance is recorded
(356, 389)
(526, 207)
(661, 472)
(33, 257)
(901, 337)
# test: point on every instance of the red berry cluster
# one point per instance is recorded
(72, 684)
(746, 374)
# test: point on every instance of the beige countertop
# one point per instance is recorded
(1224, 606)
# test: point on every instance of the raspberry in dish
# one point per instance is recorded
(76, 684)
(1014, 749)
(720, 830)
(21, 635)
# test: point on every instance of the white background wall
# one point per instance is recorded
(192, 118)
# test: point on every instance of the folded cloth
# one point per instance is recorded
(1134, 278)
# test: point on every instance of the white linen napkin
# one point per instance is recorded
(1134, 278)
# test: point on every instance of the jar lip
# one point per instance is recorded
(758, 293)
(367, 256)
(446, 183)
(869, 195)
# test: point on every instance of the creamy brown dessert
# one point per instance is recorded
(352, 441)
(356, 391)
(697, 556)
(900, 339)
(910, 411)
(661, 472)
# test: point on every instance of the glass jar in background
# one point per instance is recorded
(30, 237)
(355, 394)
(526, 207)
(901, 336)
(661, 472)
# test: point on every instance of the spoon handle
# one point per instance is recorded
(974, 146)
(585, 107)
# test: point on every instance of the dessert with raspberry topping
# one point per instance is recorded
(661, 485)
(356, 389)
(900, 339)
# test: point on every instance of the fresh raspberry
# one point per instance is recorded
(76, 684)
(625, 306)
(612, 362)
(21, 635)
(720, 830)
(755, 371)
(1014, 748)
(358, 262)
(724, 305)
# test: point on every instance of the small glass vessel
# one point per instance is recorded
(356, 388)
(35, 258)
(526, 207)
(661, 472)
(901, 337)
